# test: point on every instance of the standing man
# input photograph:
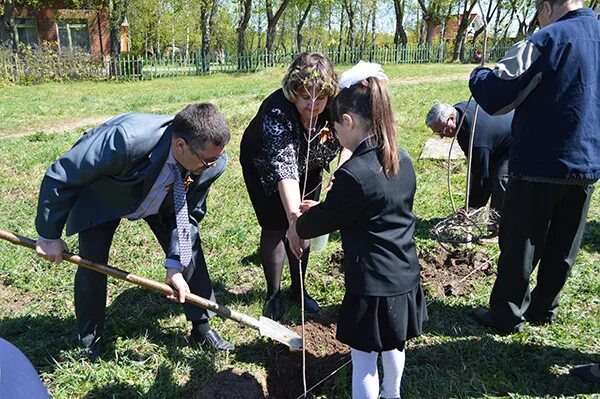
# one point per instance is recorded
(136, 166)
(552, 80)
(491, 143)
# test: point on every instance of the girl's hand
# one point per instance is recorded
(307, 204)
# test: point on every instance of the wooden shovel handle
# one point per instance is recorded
(138, 280)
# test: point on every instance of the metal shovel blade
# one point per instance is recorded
(279, 333)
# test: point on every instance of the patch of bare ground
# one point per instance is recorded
(233, 384)
(445, 274)
(283, 368)
(61, 126)
(11, 302)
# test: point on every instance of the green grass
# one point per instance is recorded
(146, 355)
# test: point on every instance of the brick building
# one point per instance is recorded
(65, 28)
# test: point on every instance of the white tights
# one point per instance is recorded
(365, 378)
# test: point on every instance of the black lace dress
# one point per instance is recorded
(274, 147)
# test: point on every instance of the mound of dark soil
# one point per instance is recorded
(445, 274)
(324, 354)
(232, 384)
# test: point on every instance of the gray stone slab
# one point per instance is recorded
(437, 148)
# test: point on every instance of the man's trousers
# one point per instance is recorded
(542, 223)
(90, 286)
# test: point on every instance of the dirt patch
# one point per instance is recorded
(63, 126)
(11, 303)
(283, 368)
(445, 274)
(324, 354)
(233, 384)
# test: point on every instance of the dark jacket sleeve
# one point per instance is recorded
(504, 88)
(341, 207)
(92, 157)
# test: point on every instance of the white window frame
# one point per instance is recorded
(75, 23)
(26, 23)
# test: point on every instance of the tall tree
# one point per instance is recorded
(208, 13)
(464, 18)
(244, 13)
(6, 23)
(272, 19)
(118, 12)
(300, 24)
(348, 6)
(522, 11)
(400, 37)
(493, 7)
(432, 17)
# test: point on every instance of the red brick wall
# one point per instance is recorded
(98, 25)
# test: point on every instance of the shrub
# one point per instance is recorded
(43, 63)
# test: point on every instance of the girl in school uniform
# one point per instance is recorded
(371, 202)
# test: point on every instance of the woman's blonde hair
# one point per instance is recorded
(310, 69)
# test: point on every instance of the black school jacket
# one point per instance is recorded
(375, 218)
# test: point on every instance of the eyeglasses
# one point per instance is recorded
(205, 164)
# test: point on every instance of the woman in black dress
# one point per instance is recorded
(283, 153)
(370, 202)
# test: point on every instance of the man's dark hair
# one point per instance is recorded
(199, 124)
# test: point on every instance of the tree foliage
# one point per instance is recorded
(215, 27)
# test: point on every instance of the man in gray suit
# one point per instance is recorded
(127, 168)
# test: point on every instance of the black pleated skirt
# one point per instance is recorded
(379, 323)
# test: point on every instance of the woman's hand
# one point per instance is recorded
(296, 243)
(306, 205)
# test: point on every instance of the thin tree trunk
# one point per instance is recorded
(465, 19)
(117, 15)
(205, 46)
(272, 20)
(245, 11)
(301, 24)
(374, 17)
(6, 31)
(259, 30)
(351, 41)
(400, 37)
(341, 39)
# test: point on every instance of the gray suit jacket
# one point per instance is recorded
(108, 173)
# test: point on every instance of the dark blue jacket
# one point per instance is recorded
(552, 80)
(491, 145)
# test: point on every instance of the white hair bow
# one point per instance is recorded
(360, 72)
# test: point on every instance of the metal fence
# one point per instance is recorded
(36, 67)
(129, 67)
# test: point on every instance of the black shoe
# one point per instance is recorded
(211, 340)
(483, 316)
(310, 304)
(91, 347)
(587, 372)
(538, 321)
(91, 352)
(273, 308)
